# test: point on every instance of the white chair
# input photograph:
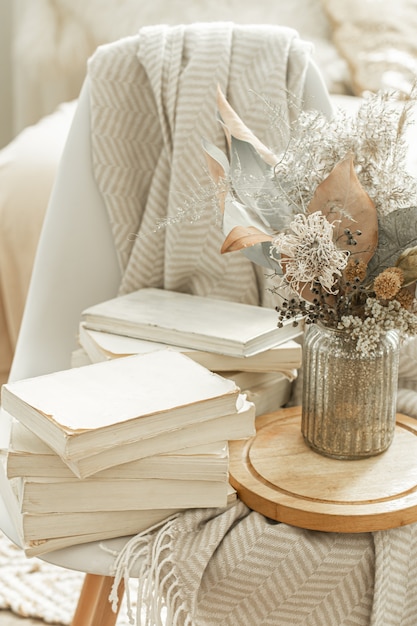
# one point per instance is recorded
(76, 265)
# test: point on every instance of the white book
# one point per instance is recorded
(38, 527)
(268, 391)
(39, 547)
(237, 425)
(30, 456)
(197, 322)
(270, 396)
(43, 533)
(83, 411)
(79, 358)
(101, 346)
(247, 381)
(66, 495)
(42, 529)
(126, 526)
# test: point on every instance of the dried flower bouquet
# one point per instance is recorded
(334, 214)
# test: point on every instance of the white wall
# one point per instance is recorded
(6, 88)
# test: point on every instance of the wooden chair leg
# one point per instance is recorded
(94, 608)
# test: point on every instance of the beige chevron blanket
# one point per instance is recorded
(152, 99)
(237, 568)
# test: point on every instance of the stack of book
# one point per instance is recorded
(238, 341)
(111, 448)
(141, 431)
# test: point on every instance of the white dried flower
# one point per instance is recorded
(310, 254)
(378, 319)
(375, 135)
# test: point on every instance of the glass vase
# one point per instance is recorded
(349, 400)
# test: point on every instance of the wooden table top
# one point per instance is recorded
(278, 475)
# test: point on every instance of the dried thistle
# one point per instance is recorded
(388, 283)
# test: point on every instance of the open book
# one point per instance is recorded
(201, 323)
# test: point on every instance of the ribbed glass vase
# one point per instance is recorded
(349, 400)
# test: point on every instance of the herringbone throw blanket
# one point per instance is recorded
(152, 99)
(236, 568)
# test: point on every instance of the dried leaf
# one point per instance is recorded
(234, 127)
(407, 262)
(260, 255)
(341, 197)
(243, 237)
(237, 214)
(218, 167)
(397, 231)
(217, 161)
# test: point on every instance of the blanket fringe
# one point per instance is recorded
(141, 557)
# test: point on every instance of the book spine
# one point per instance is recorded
(115, 495)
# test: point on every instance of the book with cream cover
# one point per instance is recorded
(101, 346)
(40, 494)
(83, 411)
(197, 322)
(43, 533)
(28, 455)
(240, 424)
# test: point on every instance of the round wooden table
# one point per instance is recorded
(278, 475)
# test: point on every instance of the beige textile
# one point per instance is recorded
(237, 568)
(232, 567)
(153, 99)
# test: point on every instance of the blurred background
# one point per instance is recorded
(44, 44)
(6, 26)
